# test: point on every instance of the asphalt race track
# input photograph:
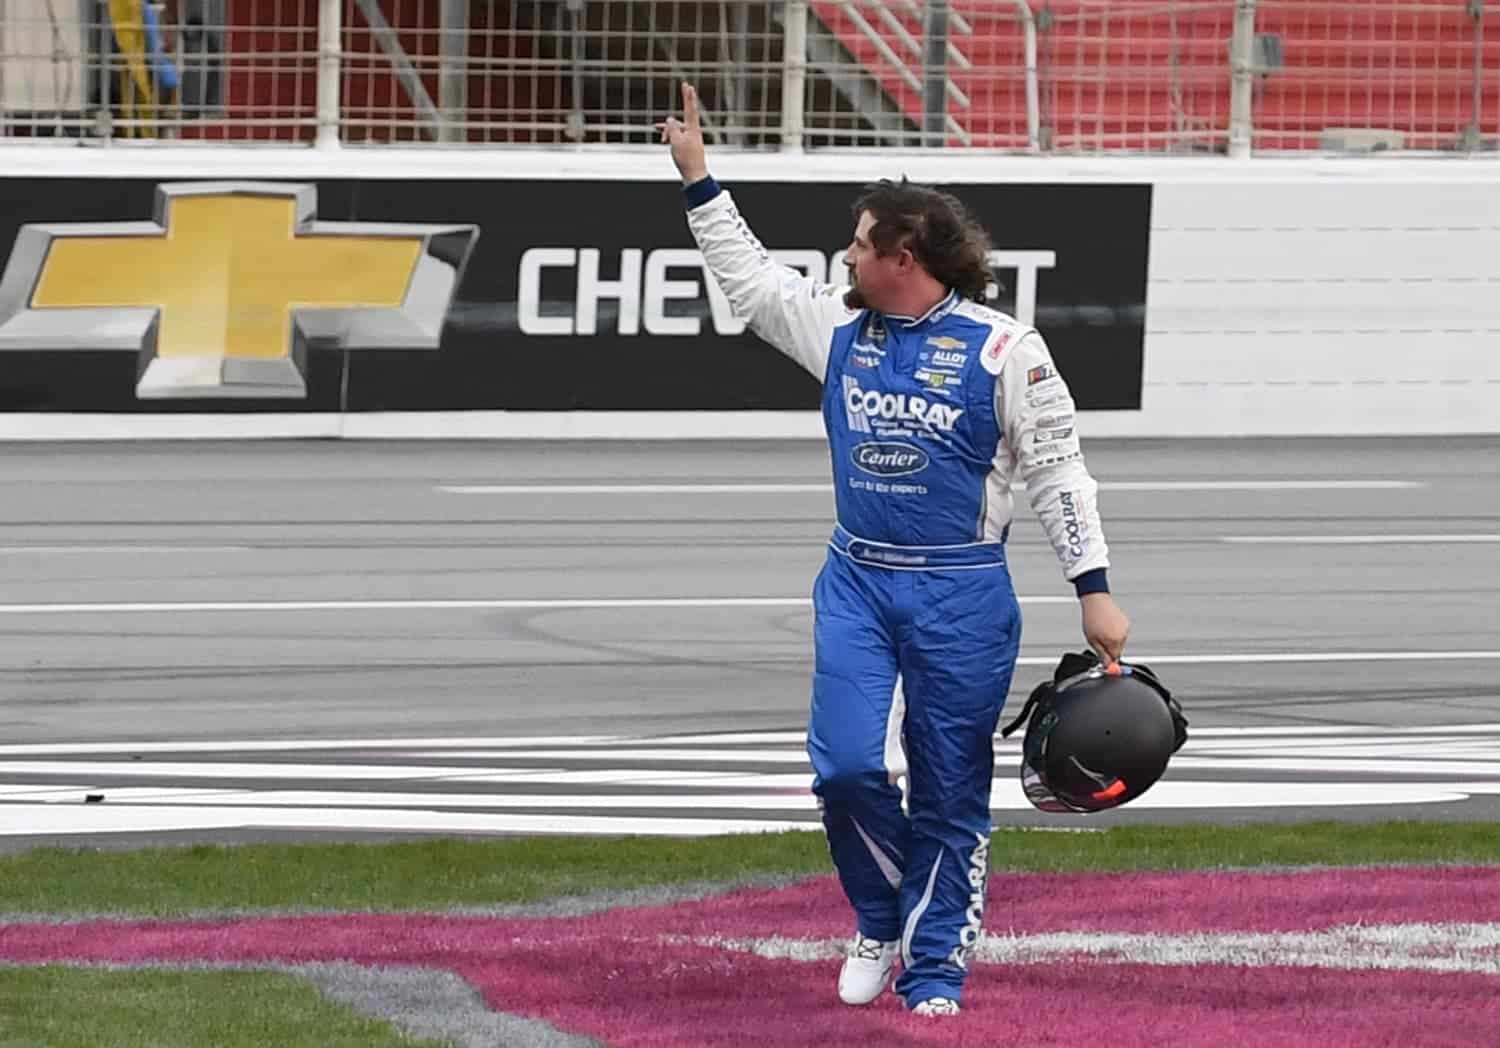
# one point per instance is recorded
(283, 639)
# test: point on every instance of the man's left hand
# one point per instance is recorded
(1105, 626)
(685, 136)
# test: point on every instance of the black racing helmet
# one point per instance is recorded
(1098, 736)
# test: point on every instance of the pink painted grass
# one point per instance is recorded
(635, 977)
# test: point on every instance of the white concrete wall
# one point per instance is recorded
(1322, 306)
(1285, 296)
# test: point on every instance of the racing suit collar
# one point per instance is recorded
(936, 313)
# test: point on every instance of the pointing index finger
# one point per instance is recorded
(690, 106)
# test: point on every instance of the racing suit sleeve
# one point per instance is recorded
(1038, 417)
(792, 312)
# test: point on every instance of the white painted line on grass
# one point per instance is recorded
(1355, 540)
(560, 604)
(824, 488)
(1466, 947)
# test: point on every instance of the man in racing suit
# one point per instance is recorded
(932, 403)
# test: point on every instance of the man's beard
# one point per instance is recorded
(855, 299)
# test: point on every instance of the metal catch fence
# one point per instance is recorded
(1066, 76)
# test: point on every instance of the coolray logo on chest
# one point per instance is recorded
(862, 405)
(889, 459)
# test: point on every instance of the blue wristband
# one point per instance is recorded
(1096, 581)
(701, 191)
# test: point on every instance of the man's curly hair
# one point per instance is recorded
(935, 227)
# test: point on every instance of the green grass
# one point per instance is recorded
(430, 874)
(93, 1007)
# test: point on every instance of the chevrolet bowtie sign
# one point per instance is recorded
(224, 293)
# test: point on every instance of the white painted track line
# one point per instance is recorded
(127, 549)
(823, 488)
(1354, 540)
(561, 604)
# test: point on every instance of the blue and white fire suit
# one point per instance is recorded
(917, 628)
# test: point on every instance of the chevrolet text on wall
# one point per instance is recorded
(642, 300)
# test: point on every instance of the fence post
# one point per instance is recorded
(330, 29)
(935, 73)
(1242, 79)
(453, 72)
(1473, 137)
(1033, 86)
(793, 75)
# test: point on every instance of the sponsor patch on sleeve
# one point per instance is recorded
(1040, 373)
(993, 356)
(1075, 525)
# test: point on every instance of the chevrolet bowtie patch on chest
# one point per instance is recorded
(225, 291)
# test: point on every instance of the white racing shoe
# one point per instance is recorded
(867, 969)
(936, 1006)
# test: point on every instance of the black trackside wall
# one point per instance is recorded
(517, 335)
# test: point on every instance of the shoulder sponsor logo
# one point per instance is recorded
(1040, 373)
(862, 405)
(224, 292)
(992, 359)
(998, 347)
(889, 459)
(947, 342)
